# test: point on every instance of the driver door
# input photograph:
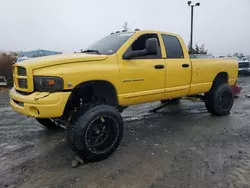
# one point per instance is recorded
(142, 78)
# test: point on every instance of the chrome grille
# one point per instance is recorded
(21, 71)
(22, 83)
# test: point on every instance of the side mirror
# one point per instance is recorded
(151, 46)
(134, 54)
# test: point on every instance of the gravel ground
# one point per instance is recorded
(180, 146)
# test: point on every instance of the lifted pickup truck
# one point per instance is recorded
(85, 92)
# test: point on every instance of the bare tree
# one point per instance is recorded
(6, 62)
(239, 55)
(198, 49)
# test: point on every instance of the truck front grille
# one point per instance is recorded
(244, 65)
(21, 71)
(22, 77)
(22, 83)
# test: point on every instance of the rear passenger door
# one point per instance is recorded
(178, 67)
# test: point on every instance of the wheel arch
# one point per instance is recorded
(220, 78)
(95, 90)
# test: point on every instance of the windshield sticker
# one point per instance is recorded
(125, 34)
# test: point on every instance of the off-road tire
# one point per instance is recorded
(48, 123)
(77, 132)
(219, 100)
(208, 102)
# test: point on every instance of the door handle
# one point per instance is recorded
(159, 66)
(185, 65)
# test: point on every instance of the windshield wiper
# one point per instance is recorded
(91, 51)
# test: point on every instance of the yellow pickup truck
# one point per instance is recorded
(86, 91)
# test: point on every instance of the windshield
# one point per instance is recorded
(245, 59)
(109, 44)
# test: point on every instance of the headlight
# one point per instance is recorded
(48, 83)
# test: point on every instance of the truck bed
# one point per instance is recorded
(205, 70)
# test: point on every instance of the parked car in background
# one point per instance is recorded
(245, 59)
(3, 81)
(244, 66)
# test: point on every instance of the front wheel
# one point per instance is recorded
(219, 101)
(96, 133)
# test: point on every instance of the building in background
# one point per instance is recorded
(37, 53)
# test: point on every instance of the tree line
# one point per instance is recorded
(6, 62)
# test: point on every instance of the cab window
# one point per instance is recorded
(140, 44)
(172, 46)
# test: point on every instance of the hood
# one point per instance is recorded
(46, 61)
(243, 61)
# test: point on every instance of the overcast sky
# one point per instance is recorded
(68, 25)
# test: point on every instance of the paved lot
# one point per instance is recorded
(180, 146)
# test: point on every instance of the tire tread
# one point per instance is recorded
(81, 121)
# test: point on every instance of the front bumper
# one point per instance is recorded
(39, 104)
(244, 70)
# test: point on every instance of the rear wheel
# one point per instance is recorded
(219, 100)
(208, 103)
(96, 133)
(48, 123)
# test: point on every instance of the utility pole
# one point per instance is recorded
(192, 25)
(125, 26)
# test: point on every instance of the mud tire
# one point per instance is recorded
(79, 130)
(219, 101)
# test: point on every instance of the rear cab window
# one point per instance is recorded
(172, 46)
